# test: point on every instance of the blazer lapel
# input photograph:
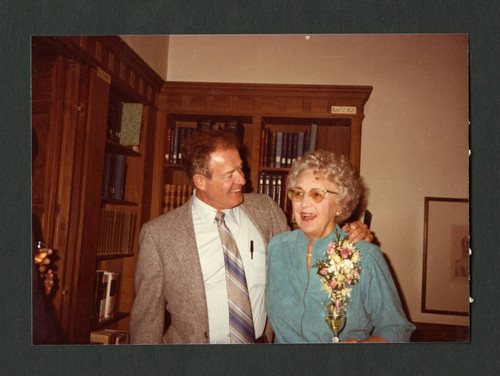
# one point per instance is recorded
(258, 216)
(189, 267)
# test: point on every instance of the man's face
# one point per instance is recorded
(224, 189)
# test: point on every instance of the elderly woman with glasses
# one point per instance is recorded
(324, 189)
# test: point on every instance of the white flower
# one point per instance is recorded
(355, 258)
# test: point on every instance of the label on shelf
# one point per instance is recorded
(343, 110)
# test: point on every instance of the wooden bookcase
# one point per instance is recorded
(72, 80)
(338, 112)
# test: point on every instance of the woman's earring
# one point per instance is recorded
(338, 213)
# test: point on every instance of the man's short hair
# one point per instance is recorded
(198, 146)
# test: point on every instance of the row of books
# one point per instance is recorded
(105, 300)
(174, 195)
(114, 176)
(280, 149)
(175, 136)
(109, 337)
(274, 185)
(124, 122)
(116, 232)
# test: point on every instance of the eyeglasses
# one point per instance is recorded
(315, 195)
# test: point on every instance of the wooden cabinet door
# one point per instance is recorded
(70, 102)
(84, 204)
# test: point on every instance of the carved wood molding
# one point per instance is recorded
(110, 54)
(263, 99)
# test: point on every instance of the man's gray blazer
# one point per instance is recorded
(168, 273)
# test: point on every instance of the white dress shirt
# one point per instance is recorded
(214, 272)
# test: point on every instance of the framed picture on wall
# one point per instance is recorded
(445, 279)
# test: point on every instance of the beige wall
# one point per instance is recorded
(153, 49)
(415, 132)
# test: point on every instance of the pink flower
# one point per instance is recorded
(348, 282)
(330, 248)
(333, 283)
(323, 271)
(344, 252)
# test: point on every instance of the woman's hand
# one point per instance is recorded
(350, 340)
(48, 281)
(358, 231)
(46, 274)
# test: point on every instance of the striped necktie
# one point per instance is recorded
(240, 310)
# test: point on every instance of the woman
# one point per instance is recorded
(325, 189)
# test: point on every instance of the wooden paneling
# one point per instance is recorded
(426, 332)
(72, 78)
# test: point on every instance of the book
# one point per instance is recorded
(111, 299)
(174, 149)
(102, 297)
(124, 248)
(101, 337)
(278, 193)
(205, 125)
(284, 149)
(109, 337)
(272, 190)
(172, 142)
(271, 154)
(300, 144)
(114, 119)
(295, 146)
(131, 123)
(289, 150)
(307, 140)
(133, 223)
(263, 147)
(100, 231)
(116, 232)
(106, 174)
(168, 139)
(182, 131)
(314, 134)
(119, 337)
(236, 128)
(279, 149)
(96, 300)
(119, 178)
(267, 184)
(260, 186)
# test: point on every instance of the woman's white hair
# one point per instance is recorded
(335, 168)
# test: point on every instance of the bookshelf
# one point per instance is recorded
(77, 83)
(335, 112)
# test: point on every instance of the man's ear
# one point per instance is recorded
(199, 181)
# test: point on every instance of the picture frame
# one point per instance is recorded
(445, 276)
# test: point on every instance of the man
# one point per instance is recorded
(181, 264)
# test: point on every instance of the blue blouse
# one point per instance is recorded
(295, 300)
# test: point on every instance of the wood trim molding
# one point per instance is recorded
(263, 99)
(110, 54)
